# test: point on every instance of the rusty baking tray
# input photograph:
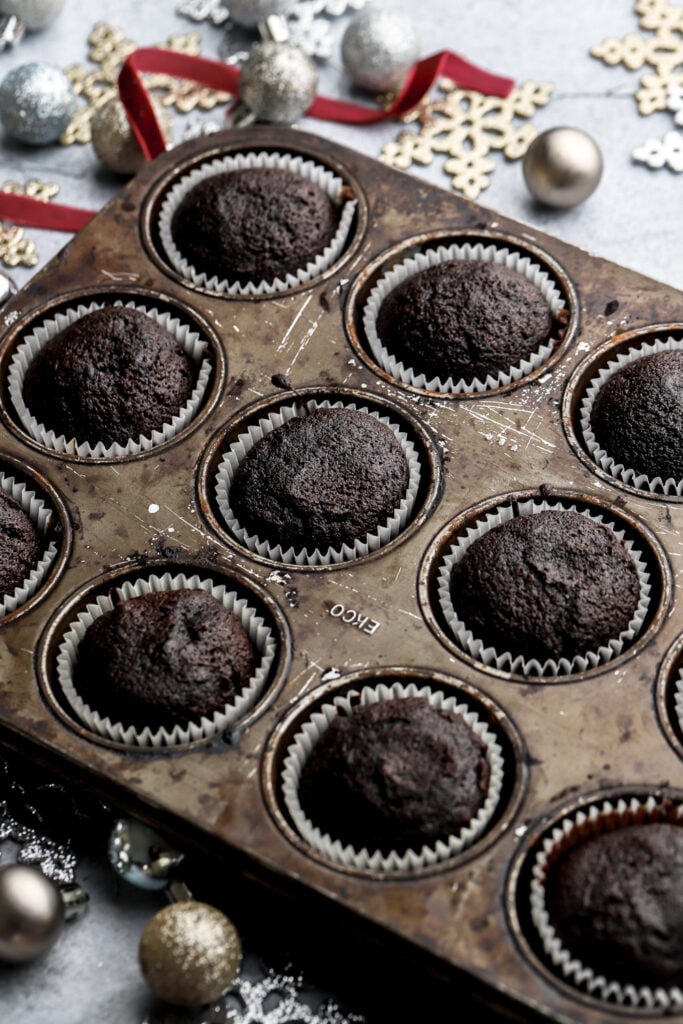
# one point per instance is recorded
(604, 732)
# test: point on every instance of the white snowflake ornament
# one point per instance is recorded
(658, 153)
(674, 102)
(204, 10)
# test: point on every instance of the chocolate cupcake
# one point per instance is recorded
(393, 778)
(319, 484)
(616, 900)
(395, 775)
(28, 546)
(164, 660)
(606, 901)
(545, 590)
(20, 545)
(463, 319)
(632, 417)
(255, 223)
(101, 381)
(114, 374)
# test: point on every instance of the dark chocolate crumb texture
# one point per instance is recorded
(321, 480)
(551, 585)
(395, 775)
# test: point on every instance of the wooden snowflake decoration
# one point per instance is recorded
(109, 48)
(15, 249)
(662, 52)
(468, 127)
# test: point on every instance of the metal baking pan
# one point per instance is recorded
(605, 732)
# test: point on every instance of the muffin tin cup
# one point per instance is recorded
(189, 340)
(41, 516)
(606, 462)
(524, 265)
(572, 830)
(330, 183)
(260, 635)
(506, 660)
(332, 556)
(373, 860)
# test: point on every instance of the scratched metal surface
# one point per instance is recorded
(597, 732)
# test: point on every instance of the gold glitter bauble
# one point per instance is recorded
(190, 953)
(115, 142)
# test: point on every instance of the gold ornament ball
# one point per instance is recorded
(562, 167)
(31, 913)
(190, 953)
(114, 140)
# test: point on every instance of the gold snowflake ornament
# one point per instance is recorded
(662, 52)
(468, 127)
(15, 249)
(109, 48)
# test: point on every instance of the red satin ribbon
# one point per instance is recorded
(225, 77)
(36, 213)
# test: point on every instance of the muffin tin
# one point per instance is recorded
(567, 740)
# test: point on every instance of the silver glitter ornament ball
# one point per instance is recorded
(562, 167)
(379, 48)
(31, 913)
(278, 82)
(250, 12)
(35, 14)
(36, 103)
(115, 142)
(190, 953)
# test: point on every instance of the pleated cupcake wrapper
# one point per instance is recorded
(331, 185)
(40, 515)
(678, 698)
(189, 341)
(260, 635)
(373, 860)
(431, 258)
(584, 825)
(332, 556)
(617, 469)
(506, 660)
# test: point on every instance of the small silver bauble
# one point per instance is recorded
(31, 913)
(562, 167)
(250, 12)
(115, 142)
(35, 14)
(278, 82)
(379, 48)
(190, 953)
(36, 103)
(140, 855)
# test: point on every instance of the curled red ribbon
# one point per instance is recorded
(225, 78)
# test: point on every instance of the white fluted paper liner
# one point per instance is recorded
(259, 633)
(617, 469)
(330, 183)
(506, 660)
(373, 860)
(678, 698)
(189, 340)
(40, 515)
(332, 556)
(430, 258)
(570, 831)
